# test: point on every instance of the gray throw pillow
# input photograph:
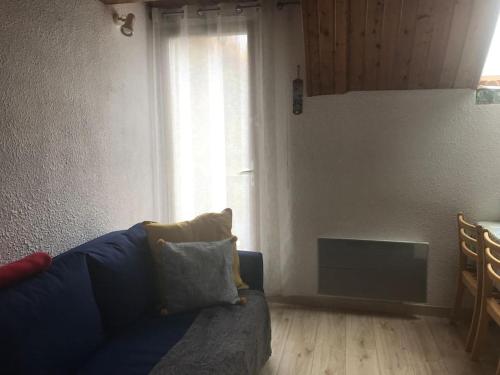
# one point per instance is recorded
(196, 274)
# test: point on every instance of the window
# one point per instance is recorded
(489, 85)
(211, 156)
(221, 140)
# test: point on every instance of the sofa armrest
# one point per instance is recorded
(252, 269)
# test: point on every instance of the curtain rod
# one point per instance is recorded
(239, 8)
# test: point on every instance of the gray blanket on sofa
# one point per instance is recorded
(223, 340)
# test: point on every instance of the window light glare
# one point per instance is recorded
(492, 65)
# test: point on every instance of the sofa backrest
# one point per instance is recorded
(123, 277)
(50, 324)
(53, 322)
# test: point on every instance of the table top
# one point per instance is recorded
(493, 227)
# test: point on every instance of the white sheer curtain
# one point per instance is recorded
(219, 143)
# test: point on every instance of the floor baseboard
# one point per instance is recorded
(363, 305)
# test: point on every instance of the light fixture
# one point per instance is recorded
(127, 28)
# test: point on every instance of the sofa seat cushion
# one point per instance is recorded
(223, 340)
(138, 348)
(50, 324)
(122, 272)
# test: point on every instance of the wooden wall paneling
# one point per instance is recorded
(311, 31)
(481, 28)
(421, 43)
(441, 18)
(373, 42)
(357, 23)
(326, 13)
(341, 34)
(390, 29)
(458, 30)
(404, 48)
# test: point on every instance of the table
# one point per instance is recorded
(493, 227)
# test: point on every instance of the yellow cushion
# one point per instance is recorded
(206, 227)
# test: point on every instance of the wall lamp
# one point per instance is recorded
(127, 27)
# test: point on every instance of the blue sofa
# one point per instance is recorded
(95, 311)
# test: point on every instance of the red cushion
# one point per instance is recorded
(23, 268)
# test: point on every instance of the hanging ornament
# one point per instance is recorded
(298, 88)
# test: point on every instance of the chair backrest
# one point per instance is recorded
(467, 238)
(491, 263)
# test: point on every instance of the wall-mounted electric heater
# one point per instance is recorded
(382, 270)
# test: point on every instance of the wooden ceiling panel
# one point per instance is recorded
(340, 48)
(356, 43)
(311, 27)
(373, 42)
(443, 11)
(455, 43)
(403, 54)
(424, 27)
(477, 41)
(396, 44)
(326, 45)
(392, 10)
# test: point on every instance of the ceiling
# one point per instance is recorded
(396, 44)
(354, 45)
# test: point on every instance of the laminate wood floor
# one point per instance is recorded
(315, 341)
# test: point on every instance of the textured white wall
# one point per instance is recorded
(75, 142)
(393, 165)
(75, 158)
